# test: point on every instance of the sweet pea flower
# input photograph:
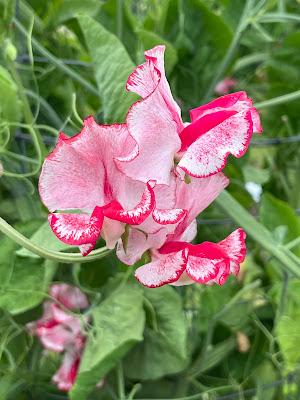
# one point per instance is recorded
(225, 86)
(200, 148)
(181, 263)
(65, 377)
(81, 174)
(61, 331)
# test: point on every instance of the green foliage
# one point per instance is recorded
(10, 104)
(112, 66)
(164, 349)
(24, 281)
(64, 60)
(118, 325)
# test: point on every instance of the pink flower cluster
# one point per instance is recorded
(62, 332)
(141, 184)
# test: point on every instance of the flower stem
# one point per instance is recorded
(121, 383)
(279, 100)
(67, 258)
(36, 137)
(56, 61)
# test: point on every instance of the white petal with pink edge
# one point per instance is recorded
(202, 270)
(235, 247)
(77, 229)
(138, 214)
(208, 154)
(165, 217)
(166, 269)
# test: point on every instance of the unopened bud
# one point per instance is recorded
(10, 51)
(243, 342)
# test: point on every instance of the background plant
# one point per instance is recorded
(64, 60)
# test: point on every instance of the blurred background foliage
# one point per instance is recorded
(63, 60)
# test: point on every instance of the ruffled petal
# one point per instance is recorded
(166, 269)
(67, 373)
(70, 296)
(165, 217)
(56, 338)
(77, 229)
(238, 101)
(195, 197)
(200, 126)
(203, 270)
(234, 246)
(154, 123)
(208, 154)
(79, 173)
(138, 214)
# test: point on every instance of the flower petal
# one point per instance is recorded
(203, 270)
(138, 214)
(202, 125)
(195, 197)
(237, 101)
(70, 296)
(166, 269)
(77, 229)
(154, 123)
(171, 216)
(67, 373)
(234, 246)
(79, 172)
(208, 154)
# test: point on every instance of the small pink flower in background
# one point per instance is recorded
(181, 263)
(61, 331)
(225, 86)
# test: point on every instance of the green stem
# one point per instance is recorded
(279, 100)
(37, 138)
(243, 23)
(258, 232)
(133, 391)
(279, 17)
(293, 243)
(67, 258)
(121, 383)
(56, 61)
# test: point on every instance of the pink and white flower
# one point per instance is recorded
(200, 148)
(60, 331)
(141, 184)
(81, 174)
(225, 86)
(181, 263)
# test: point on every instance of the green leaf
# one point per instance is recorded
(254, 174)
(62, 10)
(275, 213)
(118, 325)
(10, 104)
(288, 327)
(112, 67)
(24, 282)
(150, 39)
(164, 350)
(43, 237)
(215, 354)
